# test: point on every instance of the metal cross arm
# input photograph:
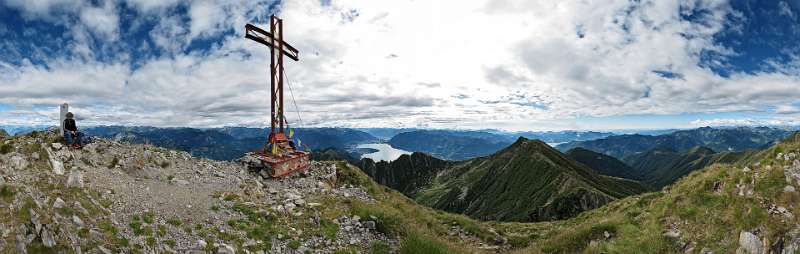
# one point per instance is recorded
(259, 35)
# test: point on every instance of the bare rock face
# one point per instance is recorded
(749, 244)
(75, 179)
(55, 163)
(58, 203)
(792, 242)
(792, 172)
(47, 238)
(19, 162)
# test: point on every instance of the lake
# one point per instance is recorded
(385, 152)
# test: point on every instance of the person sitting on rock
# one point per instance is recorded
(73, 137)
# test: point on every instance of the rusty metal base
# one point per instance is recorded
(284, 164)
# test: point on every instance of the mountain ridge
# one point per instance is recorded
(718, 139)
(526, 181)
(530, 172)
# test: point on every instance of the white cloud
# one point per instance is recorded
(206, 17)
(45, 9)
(785, 9)
(98, 16)
(148, 6)
(170, 35)
(102, 20)
(746, 122)
(787, 109)
(452, 64)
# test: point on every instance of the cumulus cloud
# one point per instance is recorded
(149, 6)
(206, 18)
(746, 122)
(103, 20)
(787, 109)
(367, 63)
(42, 9)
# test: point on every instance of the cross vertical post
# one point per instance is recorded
(272, 82)
(283, 158)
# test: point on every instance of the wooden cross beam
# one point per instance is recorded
(266, 38)
(277, 48)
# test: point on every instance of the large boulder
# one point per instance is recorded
(19, 162)
(749, 244)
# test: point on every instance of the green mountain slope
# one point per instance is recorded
(663, 166)
(527, 181)
(407, 174)
(603, 164)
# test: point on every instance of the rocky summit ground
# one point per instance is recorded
(121, 198)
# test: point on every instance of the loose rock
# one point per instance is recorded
(749, 244)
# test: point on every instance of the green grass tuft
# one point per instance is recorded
(148, 217)
(294, 244)
(420, 244)
(7, 193)
(6, 148)
(174, 222)
(379, 247)
(329, 229)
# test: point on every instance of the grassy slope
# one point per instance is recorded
(662, 167)
(704, 217)
(422, 229)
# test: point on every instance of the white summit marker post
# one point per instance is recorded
(64, 109)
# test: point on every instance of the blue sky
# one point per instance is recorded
(537, 65)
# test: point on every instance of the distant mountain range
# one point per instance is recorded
(462, 144)
(227, 143)
(717, 139)
(526, 181)
(561, 136)
(385, 133)
(451, 145)
(21, 129)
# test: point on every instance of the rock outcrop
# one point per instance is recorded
(119, 198)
